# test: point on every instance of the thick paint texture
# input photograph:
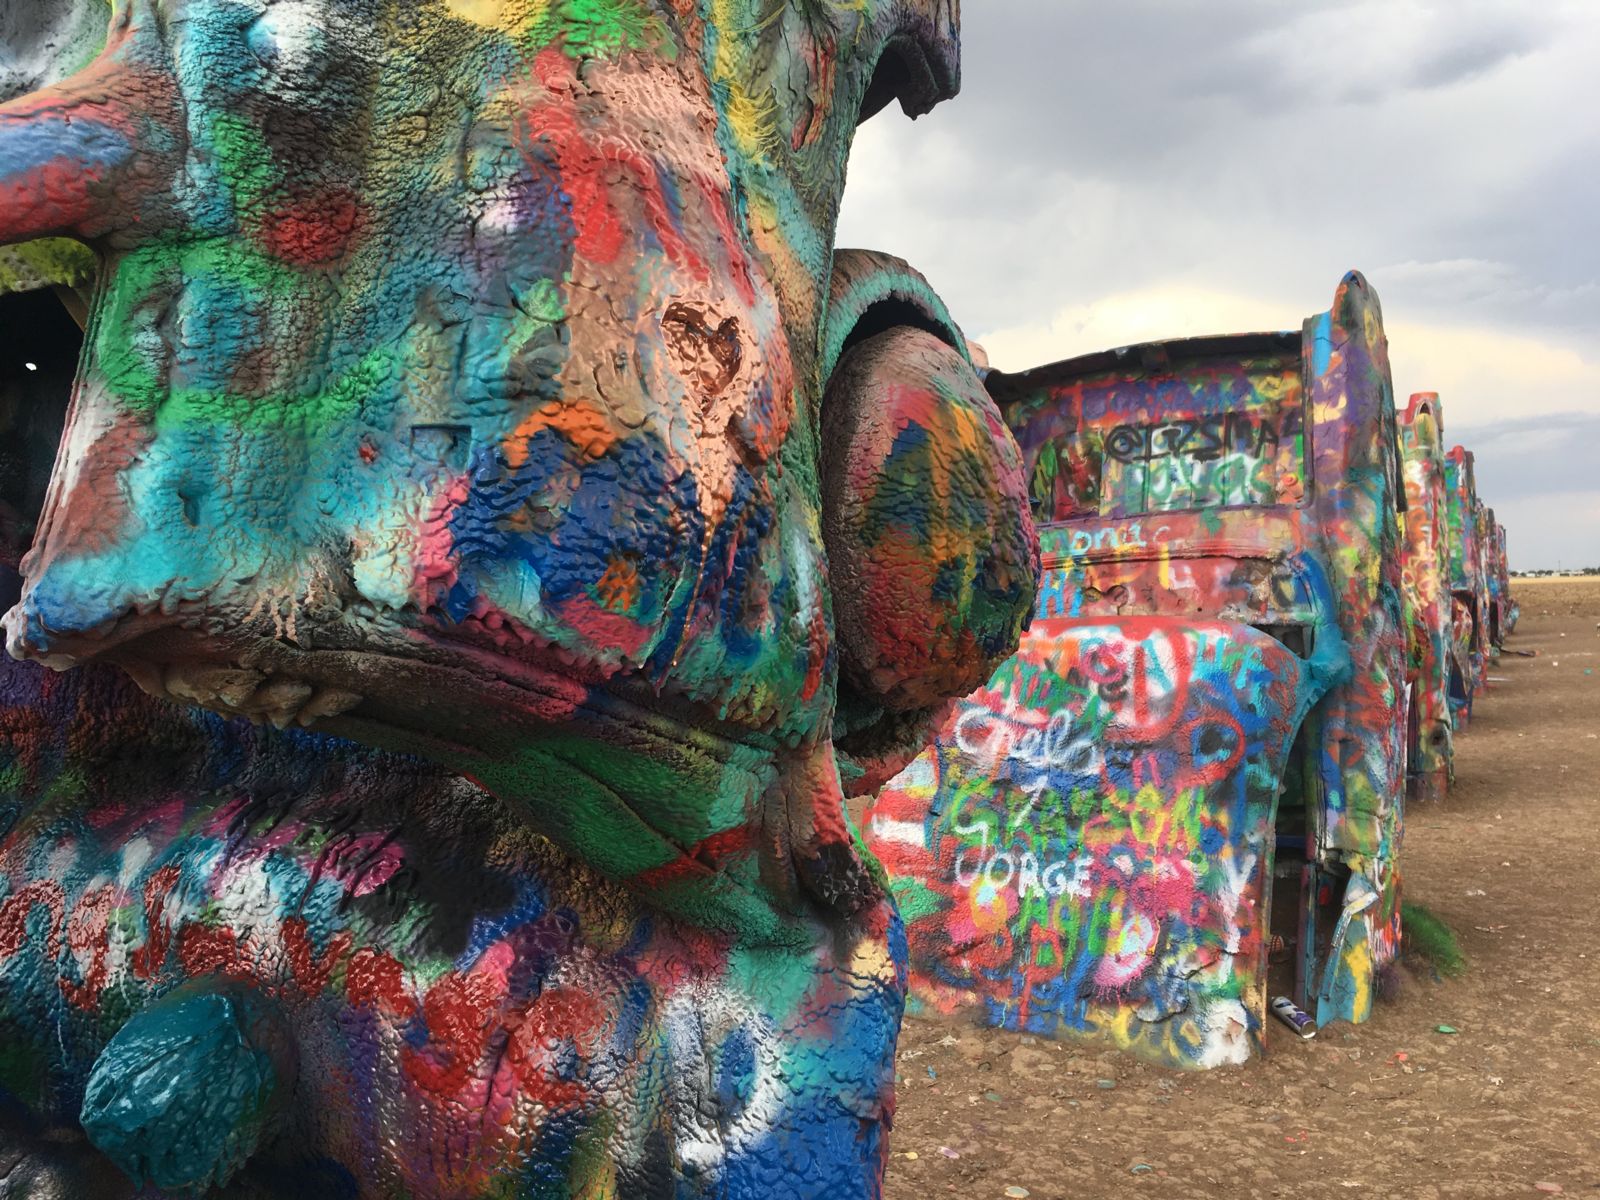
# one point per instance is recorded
(471, 1012)
(1429, 619)
(1230, 482)
(455, 383)
(942, 576)
(455, 380)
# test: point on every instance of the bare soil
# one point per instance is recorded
(1507, 1106)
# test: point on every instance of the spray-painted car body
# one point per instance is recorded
(1220, 488)
(462, 1009)
(1469, 593)
(1086, 848)
(535, 295)
(1505, 605)
(1491, 626)
(1426, 574)
(1496, 579)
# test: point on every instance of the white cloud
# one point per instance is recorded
(1153, 314)
(1486, 374)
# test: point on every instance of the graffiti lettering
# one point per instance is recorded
(1204, 439)
(990, 737)
(1103, 837)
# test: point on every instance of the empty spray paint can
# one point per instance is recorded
(1295, 1017)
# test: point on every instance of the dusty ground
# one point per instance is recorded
(1508, 1106)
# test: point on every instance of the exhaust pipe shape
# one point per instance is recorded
(97, 152)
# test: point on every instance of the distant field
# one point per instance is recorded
(1558, 595)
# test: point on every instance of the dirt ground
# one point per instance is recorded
(1507, 1106)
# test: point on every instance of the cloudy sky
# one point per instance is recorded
(1120, 171)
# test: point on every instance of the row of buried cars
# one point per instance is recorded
(1268, 601)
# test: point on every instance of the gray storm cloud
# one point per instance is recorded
(1111, 165)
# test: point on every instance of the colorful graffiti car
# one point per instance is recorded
(1092, 845)
(404, 950)
(1426, 573)
(1469, 593)
(1505, 610)
(1480, 519)
(454, 383)
(1496, 579)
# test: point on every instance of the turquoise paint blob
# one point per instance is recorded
(1322, 352)
(190, 1087)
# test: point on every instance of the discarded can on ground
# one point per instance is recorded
(1295, 1017)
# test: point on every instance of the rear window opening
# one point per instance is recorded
(39, 348)
(1134, 432)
